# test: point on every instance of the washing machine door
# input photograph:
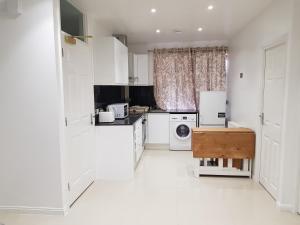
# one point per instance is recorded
(183, 132)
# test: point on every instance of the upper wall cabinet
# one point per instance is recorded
(139, 69)
(110, 62)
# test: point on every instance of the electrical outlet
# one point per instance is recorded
(241, 75)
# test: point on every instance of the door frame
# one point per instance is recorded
(277, 42)
(298, 211)
(89, 44)
(298, 182)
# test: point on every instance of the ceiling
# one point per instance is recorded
(133, 18)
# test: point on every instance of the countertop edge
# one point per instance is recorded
(174, 112)
(129, 121)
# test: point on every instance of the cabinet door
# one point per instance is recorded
(121, 63)
(104, 61)
(133, 65)
(131, 68)
(135, 69)
(142, 69)
(124, 64)
(138, 139)
(158, 128)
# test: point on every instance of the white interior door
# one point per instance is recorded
(79, 101)
(275, 71)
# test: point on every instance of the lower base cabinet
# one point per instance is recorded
(138, 140)
(118, 149)
(158, 128)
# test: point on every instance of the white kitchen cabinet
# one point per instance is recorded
(139, 69)
(118, 149)
(138, 140)
(110, 62)
(130, 68)
(158, 128)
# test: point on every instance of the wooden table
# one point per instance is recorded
(223, 151)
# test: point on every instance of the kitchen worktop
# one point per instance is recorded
(130, 120)
(173, 111)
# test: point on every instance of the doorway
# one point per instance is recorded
(272, 116)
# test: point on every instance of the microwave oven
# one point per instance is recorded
(121, 110)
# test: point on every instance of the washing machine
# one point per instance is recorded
(181, 131)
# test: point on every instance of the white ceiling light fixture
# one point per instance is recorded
(200, 29)
(157, 31)
(210, 7)
(153, 10)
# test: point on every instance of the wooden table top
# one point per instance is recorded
(228, 130)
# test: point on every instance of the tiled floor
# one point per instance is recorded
(165, 192)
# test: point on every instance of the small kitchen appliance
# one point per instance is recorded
(120, 110)
(106, 117)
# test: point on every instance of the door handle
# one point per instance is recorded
(92, 119)
(262, 118)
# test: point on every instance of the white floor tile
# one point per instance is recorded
(165, 192)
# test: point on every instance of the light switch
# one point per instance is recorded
(10, 8)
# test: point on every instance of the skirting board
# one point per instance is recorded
(157, 147)
(286, 207)
(33, 210)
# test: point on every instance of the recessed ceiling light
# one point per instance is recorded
(153, 10)
(210, 7)
(200, 29)
(158, 31)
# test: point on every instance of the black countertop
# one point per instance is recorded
(174, 111)
(158, 111)
(130, 120)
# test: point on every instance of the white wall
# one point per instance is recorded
(30, 146)
(290, 174)
(245, 95)
(246, 55)
(32, 132)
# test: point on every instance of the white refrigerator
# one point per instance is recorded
(212, 109)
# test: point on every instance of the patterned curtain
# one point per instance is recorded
(173, 79)
(181, 74)
(209, 66)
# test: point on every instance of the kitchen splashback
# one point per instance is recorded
(142, 95)
(134, 95)
(105, 95)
